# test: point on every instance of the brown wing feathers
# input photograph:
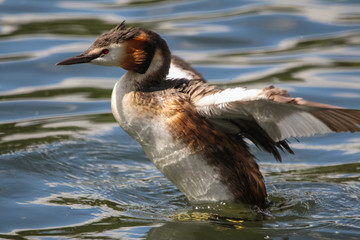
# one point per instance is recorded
(339, 120)
(336, 118)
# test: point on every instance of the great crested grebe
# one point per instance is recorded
(193, 132)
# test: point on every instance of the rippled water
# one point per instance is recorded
(68, 171)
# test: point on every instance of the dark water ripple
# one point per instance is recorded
(68, 171)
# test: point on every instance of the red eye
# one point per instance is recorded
(105, 51)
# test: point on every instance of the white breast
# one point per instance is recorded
(199, 181)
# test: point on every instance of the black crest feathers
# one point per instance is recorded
(116, 35)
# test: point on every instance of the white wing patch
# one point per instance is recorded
(178, 73)
(230, 95)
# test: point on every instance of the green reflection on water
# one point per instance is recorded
(84, 201)
(89, 92)
(81, 231)
(73, 27)
(335, 174)
(345, 40)
(62, 27)
(22, 135)
(16, 57)
(290, 74)
(95, 26)
(12, 129)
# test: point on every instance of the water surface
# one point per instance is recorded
(67, 170)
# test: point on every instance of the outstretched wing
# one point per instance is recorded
(269, 116)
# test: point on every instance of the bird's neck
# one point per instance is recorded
(156, 72)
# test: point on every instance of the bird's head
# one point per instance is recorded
(133, 49)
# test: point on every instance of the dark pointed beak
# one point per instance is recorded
(82, 58)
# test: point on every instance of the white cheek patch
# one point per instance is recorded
(113, 58)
